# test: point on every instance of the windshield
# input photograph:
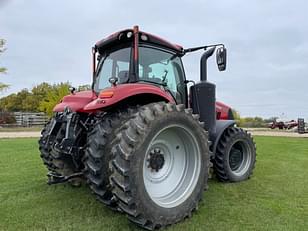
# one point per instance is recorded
(113, 64)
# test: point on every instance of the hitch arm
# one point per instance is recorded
(54, 178)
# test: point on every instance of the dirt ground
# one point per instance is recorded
(253, 131)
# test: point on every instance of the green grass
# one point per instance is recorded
(275, 198)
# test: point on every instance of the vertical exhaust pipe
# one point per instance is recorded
(203, 63)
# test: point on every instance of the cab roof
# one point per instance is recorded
(144, 37)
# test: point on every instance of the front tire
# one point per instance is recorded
(235, 156)
(160, 165)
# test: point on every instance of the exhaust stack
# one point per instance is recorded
(203, 63)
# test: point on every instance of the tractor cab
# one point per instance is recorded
(133, 56)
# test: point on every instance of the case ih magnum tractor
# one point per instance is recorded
(142, 140)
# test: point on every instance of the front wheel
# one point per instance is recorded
(160, 165)
(235, 155)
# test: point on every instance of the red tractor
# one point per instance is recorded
(143, 141)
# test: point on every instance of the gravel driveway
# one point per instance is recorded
(256, 132)
(19, 134)
(277, 133)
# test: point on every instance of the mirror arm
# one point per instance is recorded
(192, 49)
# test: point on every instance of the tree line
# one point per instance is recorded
(41, 98)
(252, 122)
(2, 69)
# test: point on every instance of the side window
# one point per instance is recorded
(113, 64)
(159, 67)
(122, 71)
(163, 73)
(105, 71)
(140, 71)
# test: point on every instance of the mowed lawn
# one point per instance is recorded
(275, 198)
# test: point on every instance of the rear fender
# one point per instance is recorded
(121, 93)
(221, 126)
(75, 101)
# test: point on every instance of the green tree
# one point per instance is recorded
(42, 97)
(236, 115)
(11, 103)
(53, 97)
(2, 69)
(85, 87)
(38, 94)
(271, 119)
(17, 102)
(41, 90)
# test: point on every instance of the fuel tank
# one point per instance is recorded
(203, 103)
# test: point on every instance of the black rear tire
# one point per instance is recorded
(98, 154)
(130, 153)
(235, 156)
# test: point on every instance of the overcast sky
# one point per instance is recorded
(267, 42)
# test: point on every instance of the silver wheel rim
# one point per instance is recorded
(171, 166)
(240, 157)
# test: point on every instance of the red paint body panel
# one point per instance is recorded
(124, 91)
(87, 101)
(222, 111)
(76, 101)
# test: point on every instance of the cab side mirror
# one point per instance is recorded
(221, 58)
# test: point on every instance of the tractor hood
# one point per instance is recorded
(223, 112)
(76, 101)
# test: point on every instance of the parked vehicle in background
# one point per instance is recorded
(283, 124)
